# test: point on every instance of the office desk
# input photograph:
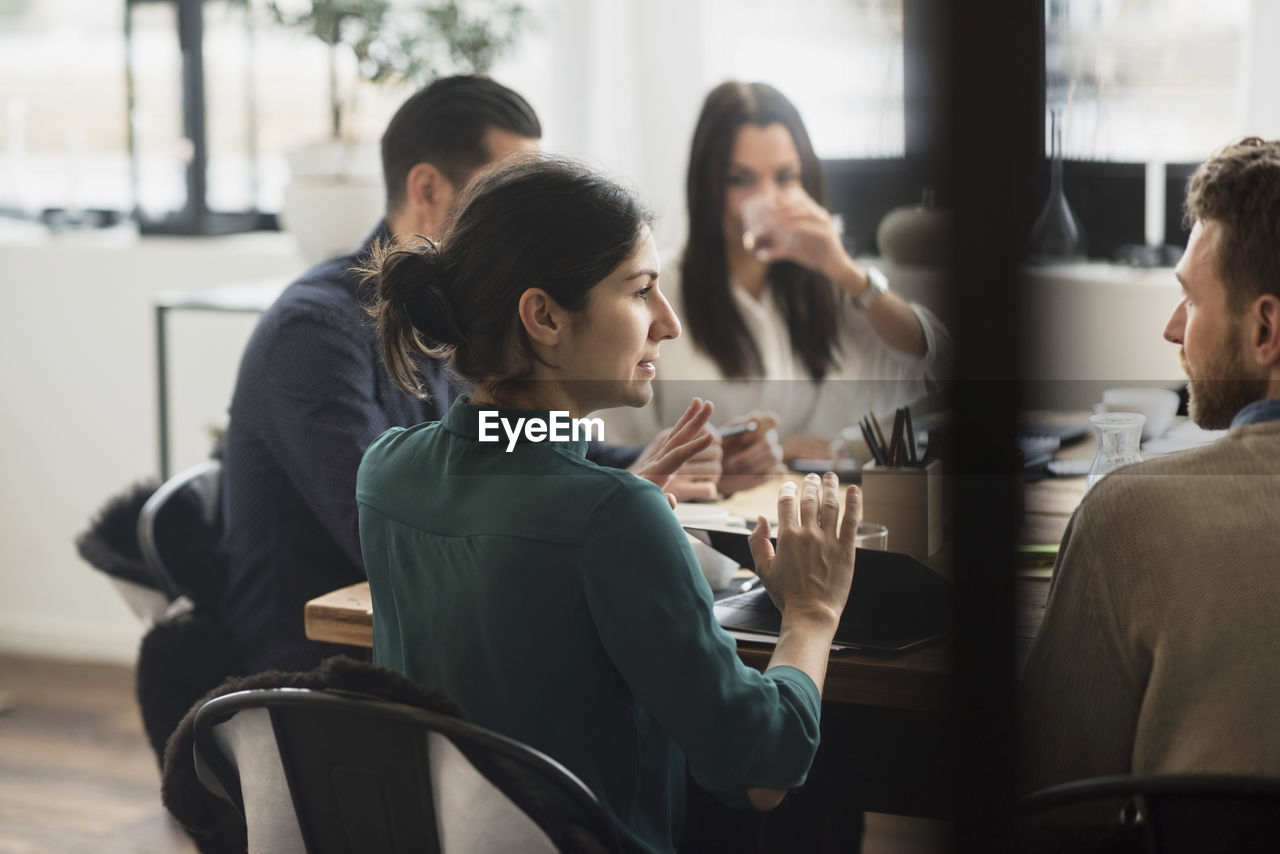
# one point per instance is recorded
(916, 680)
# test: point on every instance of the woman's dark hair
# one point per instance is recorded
(535, 222)
(709, 314)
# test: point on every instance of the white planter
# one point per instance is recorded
(334, 197)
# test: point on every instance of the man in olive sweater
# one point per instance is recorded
(1158, 651)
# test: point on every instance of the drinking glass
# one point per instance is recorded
(761, 231)
(872, 535)
(847, 452)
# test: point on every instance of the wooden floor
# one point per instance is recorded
(76, 774)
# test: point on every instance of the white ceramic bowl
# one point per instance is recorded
(1160, 405)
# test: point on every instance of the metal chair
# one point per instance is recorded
(1154, 814)
(327, 771)
(188, 503)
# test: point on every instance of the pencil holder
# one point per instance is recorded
(908, 501)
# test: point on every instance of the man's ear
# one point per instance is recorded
(428, 191)
(1266, 323)
(542, 317)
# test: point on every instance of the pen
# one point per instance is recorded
(738, 429)
(897, 452)
(870, 439)
(879, 436)
(750, 584)
(912, 454)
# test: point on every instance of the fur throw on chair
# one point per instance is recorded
(189, 544)
(180, 659)
(183, 656)
(110, 544)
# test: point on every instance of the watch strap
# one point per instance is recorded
(877, 286)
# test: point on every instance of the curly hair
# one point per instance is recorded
(1239, 188)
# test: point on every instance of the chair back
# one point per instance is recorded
(1154, 814)
(178, 531)
(324, 772)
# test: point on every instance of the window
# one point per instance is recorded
(64, 129)
(839, 61)
(603, 76)
(62, 92)
(1140, 80)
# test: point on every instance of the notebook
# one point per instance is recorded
(896, 603)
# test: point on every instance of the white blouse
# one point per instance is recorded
(869, 375)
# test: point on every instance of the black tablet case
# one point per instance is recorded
(896, 603)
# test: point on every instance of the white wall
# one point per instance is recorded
(628, 102)
(1095, 326)
(77, 375)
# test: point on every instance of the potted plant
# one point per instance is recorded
(335, 189)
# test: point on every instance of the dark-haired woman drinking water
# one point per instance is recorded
(557, 601)
(777, 316)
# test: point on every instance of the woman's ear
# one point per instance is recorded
(542, 317)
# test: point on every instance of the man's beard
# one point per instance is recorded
(1223, 386)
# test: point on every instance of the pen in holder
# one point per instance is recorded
(907, 500)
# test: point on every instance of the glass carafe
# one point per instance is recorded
(1119, 435)
(1057, 235)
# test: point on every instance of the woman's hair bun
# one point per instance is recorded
(432, 315)
(416, 280)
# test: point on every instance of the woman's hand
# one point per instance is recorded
(810, 574)
(689, 444)
(814, 242)
(751, 458)
(812, 239)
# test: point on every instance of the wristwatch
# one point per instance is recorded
(877, 286)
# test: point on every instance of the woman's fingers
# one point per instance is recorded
(829, 509)
(761, 548)
(694, 406)
(695, 417)
(670, 461)
(755, 459)
(809, 491)
(766, 420)
(852, 517)
(788, 520)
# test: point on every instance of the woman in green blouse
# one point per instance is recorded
(559, 602)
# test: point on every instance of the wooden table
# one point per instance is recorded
(916, 680)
